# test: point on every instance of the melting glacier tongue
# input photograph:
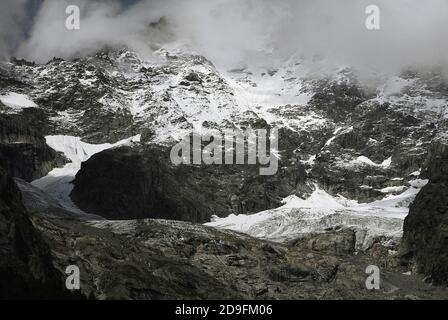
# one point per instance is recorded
(321, 211)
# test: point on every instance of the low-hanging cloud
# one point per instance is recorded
(230, 32)
(12, 19)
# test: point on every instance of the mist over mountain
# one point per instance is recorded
(231, 32)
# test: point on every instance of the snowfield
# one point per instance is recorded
(17, 101)
(321, 211)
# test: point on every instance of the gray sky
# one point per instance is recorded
(413, 32)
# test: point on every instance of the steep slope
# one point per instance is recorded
(161, 259)
(352, 158)
(425, 237)
(23, 150)
(58, 182)
(367, 144)
(26, 269)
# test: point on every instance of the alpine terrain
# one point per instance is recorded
(86, 178)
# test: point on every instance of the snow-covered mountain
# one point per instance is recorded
(340, 138)
(91, 138)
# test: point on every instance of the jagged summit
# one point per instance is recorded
(332, 124)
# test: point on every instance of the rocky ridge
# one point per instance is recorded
(162, 259)
(356, 143)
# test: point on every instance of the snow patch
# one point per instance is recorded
(17, 101)
(319, 199)
(338, 132)
(363, 160)
(393, 189)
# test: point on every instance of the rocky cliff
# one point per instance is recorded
(162, 259)
(23, 150)
(141, 182)
(425, 237)
(352, 158)
(26, 266)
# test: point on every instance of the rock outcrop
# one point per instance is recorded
(162, 259)
(141, 182)
(425, 238)
(26, 264)
(23, 151)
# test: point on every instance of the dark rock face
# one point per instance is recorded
(338, 242)
(26, 270)
(425, 236)
(124, 183)
(141, 182)
(426, 233)
(112, 266)
(161, 259)
(338, 100)
(23, 150)
(378, 132)
(425, 230)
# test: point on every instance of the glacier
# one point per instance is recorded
(382, 219)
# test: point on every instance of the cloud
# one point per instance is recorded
(230, 32)
(12, 20)
(102, 23)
